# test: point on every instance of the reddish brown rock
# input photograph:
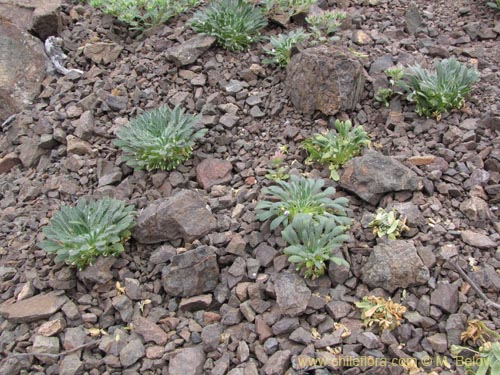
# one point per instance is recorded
(212, 172)
(8, 162)
(149, 331)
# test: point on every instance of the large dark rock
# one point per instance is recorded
(43, 18)
(22, 69)
(394, 264)
(184, 215)
(372, 175)
(324, 79)
(191, 273)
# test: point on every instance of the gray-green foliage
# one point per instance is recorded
(235, 23)
(159, 139)
(78, 235)
(395, 75)
(282, 45)
(437, 91)
(311, 243)
(336, 148)
(324, 24)
(494, 5)
(388, 224)
(287, 7)
(140, 14)
(301, 196)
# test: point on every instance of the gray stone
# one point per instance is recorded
(49, 345)
(285, 325)
(187, 361)
(149, 331)
(71, 365)
(394, 264)
(99, 272)
(372, 175)
(229, 120)
(292, 293)
(184, 215)
(162, 255)
(475, 209)
(445, 296)
(301, 335)
(32, 309)
(277, 363)
(413, 18)
(20, 83)
(84, 126)
(479, 240)
(124, 306)
(324, 79)
(29, 151)
(338, 309)
(438, 342)
(369, 340)
(191, 273)
(187, 52)
(132, 352)
(211, 337)
(102, 52)
(454, 328)
(7, 273)
(265, 254)
(212, 172)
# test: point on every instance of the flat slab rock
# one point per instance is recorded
(182, 216)
(393, 265)
(34, 308)
(372, 175)
(212, 172)
(187, 52)
(187, 361)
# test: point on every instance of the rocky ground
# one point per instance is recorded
(224, 298)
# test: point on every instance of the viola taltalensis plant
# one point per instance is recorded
(78, 235)
(301, 196)
(388, 224)
(336, 148)
(278, 171)
(487, 356)
(235, 24)
(311, 243)
(322, 25)
(395, 76)
(281, 51)
(141, 14)
(384, 313)
(159, 139)
(437, 91)
(287, 8)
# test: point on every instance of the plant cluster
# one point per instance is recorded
(301, 196)
(314, 223)
(278, 171)
(377, 310)
(287, 7)
(159, 139)
(388, 224)
(437, 91)
(78, 235)
(235, 23)
(336, 148)
(324, 24)
(311, 243)
(141, 14)
(487, 355)
(395, 75)
(282, 45)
